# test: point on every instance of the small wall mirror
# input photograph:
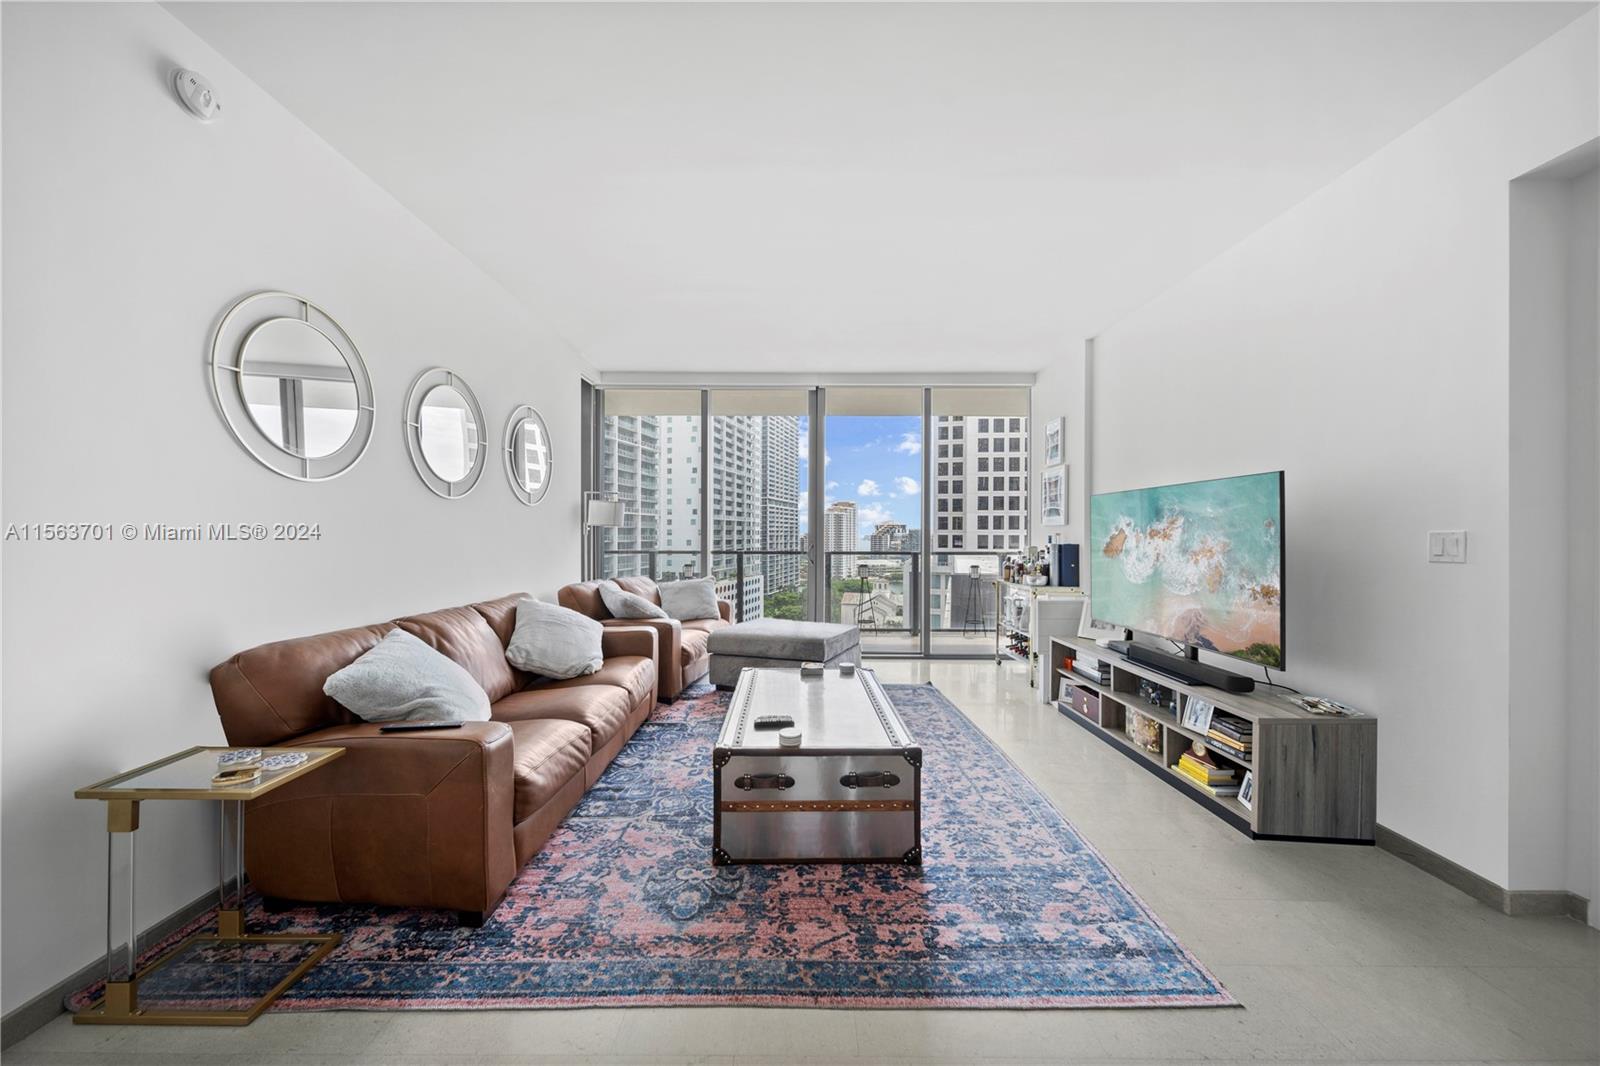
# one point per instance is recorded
(291, 386)
(528, 456)
(444, 433)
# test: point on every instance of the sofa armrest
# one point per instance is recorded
(725, 609)
(668, 636)
(632, 639)
(404, 818)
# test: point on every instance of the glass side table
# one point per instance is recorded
(223, 978)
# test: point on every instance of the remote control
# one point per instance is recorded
(773, 721)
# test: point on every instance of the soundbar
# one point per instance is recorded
(1186, 669)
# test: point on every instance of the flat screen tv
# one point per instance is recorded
(1199, 563)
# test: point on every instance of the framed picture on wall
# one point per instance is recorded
(1053, 496)
(1055, 442)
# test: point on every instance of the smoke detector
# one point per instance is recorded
(196, 95)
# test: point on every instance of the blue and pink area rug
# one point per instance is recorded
(1010, 909)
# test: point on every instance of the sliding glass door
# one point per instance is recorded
(889, 508)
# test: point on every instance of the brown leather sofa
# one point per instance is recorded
(682, 658)
(429, 819)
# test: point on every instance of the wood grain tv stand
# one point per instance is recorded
(1315, 775)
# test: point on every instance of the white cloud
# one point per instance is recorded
(869, 517)
(910, 444)
(832, 485)
(906, 485)
(868, 487)
(826, 459)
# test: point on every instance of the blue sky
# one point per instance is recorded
(875, 461)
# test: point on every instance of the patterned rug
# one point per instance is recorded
(1011, 908)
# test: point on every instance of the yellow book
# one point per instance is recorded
(1212, 774)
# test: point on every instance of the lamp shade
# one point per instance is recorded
(605, 513)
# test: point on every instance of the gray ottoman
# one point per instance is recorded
(775, 642)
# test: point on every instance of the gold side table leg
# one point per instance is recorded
(122, 1000)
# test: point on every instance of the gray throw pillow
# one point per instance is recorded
(624, 604)
(554, 641)
(688, 600)
(401, 679)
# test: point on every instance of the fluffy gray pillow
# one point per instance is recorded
(624, 604)
(688, 600)
(554, 641)
(401, 679)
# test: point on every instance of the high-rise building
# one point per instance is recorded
(736, 493)
(629, 467)
(780, 499)
(889, 537)
(679, 493)
(839, 534)
(980, 497)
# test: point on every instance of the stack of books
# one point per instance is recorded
(1231, 736)
(1096, 670)
(1204, 771)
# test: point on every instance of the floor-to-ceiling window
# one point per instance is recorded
(890, 508)
(979, 494)
(872, 514)
(759, 469)
(649, 459)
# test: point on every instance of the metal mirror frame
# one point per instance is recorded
(508, 451)
(426, 382)
(226, 373)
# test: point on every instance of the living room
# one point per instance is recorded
(800, 533)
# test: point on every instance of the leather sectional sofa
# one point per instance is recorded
(681, 646)
(429, 819)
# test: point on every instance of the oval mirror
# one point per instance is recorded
(529, 460)
(298, 388)
(444, 432)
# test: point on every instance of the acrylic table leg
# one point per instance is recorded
(121, 999)
(230, 920)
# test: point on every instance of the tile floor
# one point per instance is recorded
(1339, 954)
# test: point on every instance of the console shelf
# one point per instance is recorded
(1315, 776)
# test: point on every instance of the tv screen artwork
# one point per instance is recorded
(1200, 563)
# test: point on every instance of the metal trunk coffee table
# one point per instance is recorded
(849, 789)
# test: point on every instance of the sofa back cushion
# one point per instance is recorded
(641, 586)
(274, 692)
(501, 614)
(583, 597)
(463, 634)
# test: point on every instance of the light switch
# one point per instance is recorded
(1447, 546)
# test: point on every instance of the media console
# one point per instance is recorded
(1315, 776)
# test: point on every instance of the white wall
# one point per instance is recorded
(1062, 389)
(1582, 845)
(129, 227)
(1360, 342)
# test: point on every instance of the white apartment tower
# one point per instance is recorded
(631, 454)
(780, 492)
(839, 534)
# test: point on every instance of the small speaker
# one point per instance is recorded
(1064, 565)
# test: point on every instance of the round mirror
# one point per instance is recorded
(444, 432)
(528, 456)
(449, 433)
(298, 388)
(291, 386)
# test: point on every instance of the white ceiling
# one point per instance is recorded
(832, 188)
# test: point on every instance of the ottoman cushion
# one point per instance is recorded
(778, 638)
